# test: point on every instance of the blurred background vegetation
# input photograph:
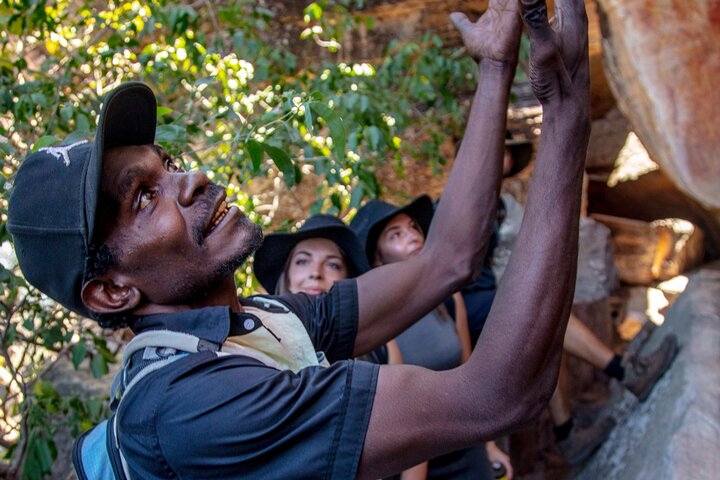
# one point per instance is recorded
(233, 100)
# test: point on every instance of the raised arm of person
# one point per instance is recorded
(394, 296)
(511, 374)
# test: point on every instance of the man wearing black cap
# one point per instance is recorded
(114, 230)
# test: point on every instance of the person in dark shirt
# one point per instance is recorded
(113, 229)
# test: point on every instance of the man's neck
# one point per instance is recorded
(225, 294)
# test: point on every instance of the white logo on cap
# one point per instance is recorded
(62, 151)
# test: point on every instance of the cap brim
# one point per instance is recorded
(271, 257)
(128, 117)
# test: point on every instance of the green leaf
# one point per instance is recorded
(162, 111)
(282, 161)
(45, 141)
(98, 366)
(314, 11)
(255, 150)
(336, 126)
(308, 118)
(82, 124)
(79, 351)
(375, 137)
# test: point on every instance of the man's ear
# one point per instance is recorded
(103, 295)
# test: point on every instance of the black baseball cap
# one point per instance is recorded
(54, 199)
(271, 257)
(371, 218)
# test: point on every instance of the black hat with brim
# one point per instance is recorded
(272, 256)
(53, 204)
(372, 217)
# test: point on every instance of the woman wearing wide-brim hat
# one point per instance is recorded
(273, 257)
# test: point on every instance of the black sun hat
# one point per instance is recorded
(521, 152)
(372, 217)
(271, 257)
(52, 209)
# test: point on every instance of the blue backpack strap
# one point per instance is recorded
(96, 454)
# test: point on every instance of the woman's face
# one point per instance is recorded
(315, 264)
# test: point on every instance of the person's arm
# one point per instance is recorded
(513, 370)
(461, 326)
(418, 472)
(394, 296)
(394, 355)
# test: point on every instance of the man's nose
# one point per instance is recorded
(192, 184)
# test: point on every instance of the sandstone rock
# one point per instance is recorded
(663, 65)
(646, 252)
(674, 434)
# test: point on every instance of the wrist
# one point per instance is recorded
(496, 67)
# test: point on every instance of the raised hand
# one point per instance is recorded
(558, 49)
(496, 34)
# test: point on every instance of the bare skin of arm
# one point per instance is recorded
(452, 254)
(513, 371)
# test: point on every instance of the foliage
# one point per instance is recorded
(235, 102)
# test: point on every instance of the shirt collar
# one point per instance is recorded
(209, 323)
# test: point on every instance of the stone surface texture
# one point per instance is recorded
(663, 63)
(676, 432)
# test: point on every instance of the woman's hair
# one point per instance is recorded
(283, 286)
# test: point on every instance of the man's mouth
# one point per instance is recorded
(220, 213)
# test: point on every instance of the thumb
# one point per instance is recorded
(534, 15)
(461, 22)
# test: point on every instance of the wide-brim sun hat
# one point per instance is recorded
(372, 217)
(272, 256)
(53, 204)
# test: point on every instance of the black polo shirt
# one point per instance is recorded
(208, 416)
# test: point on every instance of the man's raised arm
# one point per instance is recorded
(513, 370)
(394, 296)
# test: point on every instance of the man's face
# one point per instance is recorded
(176, 238)
(401, 239)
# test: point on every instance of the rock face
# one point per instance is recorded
(645, 252)
(675, 433)
(663, 64)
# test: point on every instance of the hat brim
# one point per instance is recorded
(128, 117)
(272, 256)
(521, 152)
(420, 210)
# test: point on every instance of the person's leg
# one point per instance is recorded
(643, 371)
(582, 342)
(574, 441)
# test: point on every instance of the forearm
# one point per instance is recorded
(535, 296)
(463, 223)
(395, 296)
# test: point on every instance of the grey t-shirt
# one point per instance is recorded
(432, 343)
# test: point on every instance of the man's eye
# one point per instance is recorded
(173, 165)
(145, 199)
